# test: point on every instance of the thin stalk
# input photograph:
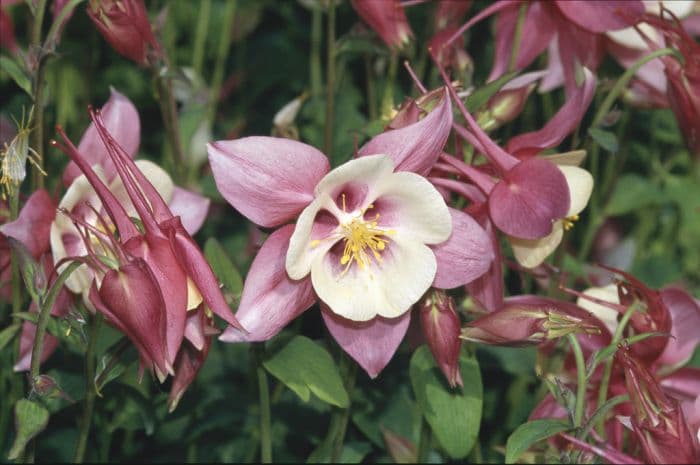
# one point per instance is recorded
(388, 97)
(423, 442)
(50, 41)
(624, 80)
(607, 370)
(517, 38)
(43, 321)
(221, 56)
(168, 111)
(315, 59)
(90, 393)
(581, 379)
(16, 278)
(330, 79)
(264, 393)
(38, 96)
(200, 36)
(371, 91)
(349, 370)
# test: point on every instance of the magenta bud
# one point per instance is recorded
(657, 420)
(534, 321)
(124, 24)
(401, 449)
(441, 327)
(387, 18)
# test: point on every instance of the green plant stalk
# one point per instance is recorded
(518, 37)
(168, 111)
(16, 278)
(388, 96)
(90, 393)
(349, 372)
(37, 169)
(264, 393)
(607, 370)
(50, 41)
(624, 80)
(200, 36)
(315, 58)
(581, 379)
(330, 80)
(221, 56)
(43, 321)
(423, 442)
(371, 91)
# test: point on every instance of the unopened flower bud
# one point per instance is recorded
(387, 18)
(124, 24)
(505, 106)
(532, 320)
(441, 327)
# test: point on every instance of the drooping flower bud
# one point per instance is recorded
(658, 421)
(529, 320)
(441, 327)
(387, 18)
(124, 24)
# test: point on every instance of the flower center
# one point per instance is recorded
(363, 242)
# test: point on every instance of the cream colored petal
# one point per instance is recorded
(418, 209)
(368, 170)
(155, 174)
(580, 184)
(532, 252)
(387, 289)
(606, 293)
(629, 37)
(302, 250)
(63, 229)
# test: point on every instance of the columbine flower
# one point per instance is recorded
(387, 18)
(441, 328)
(370, 238)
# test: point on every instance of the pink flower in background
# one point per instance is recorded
(371, 236)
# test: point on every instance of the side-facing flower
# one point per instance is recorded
(441, 328)
(369, 239)
(387, 18)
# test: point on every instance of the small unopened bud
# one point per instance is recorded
(532, 321)
(284, 119)
(124, 24)
(401, 449)
(505, 106)
(441, 327)
(387, 18)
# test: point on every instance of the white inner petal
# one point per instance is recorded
(532, 252)
(580, 184)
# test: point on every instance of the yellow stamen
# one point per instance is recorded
(362, 238)
(569, 222)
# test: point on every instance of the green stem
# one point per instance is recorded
(38, 96)
(200, 36)
(371, 91)
(388, 97)
(330, 80)
(50, 42)
(90, 393)
(14, 259)
(43, 321)
(264, 392)
(624, 80)
(315, 59)
(581, 379)
(349, 372)
(168, 111)
(607, 370)
(423, 442)
(221, 56)
(518, 36)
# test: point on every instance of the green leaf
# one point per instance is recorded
(114, 362)
(632, 192)
(529, 433)
(479, 97)
(8, 334)
(305, 367)
(30, 419)
(223, 267)
(454, 415)
(20, 77)
(57, 327)
(606, 139)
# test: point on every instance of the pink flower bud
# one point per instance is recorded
(658, 421)
(531, 320)
(441, 327)
(387, 18)
(124, 24)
